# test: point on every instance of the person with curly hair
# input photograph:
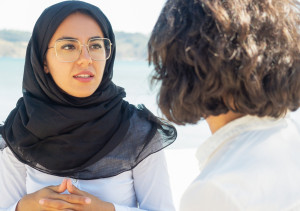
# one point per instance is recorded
(235, 64)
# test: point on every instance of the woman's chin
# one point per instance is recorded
(81, 94)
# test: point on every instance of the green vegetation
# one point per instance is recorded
(130, 46)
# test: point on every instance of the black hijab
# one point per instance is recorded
(62, 135)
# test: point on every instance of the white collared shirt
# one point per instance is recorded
(147, 184)
(250, 163)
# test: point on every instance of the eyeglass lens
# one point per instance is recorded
(69, 50)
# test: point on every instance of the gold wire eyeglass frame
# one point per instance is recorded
(81, 45)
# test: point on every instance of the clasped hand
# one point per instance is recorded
(51, 198)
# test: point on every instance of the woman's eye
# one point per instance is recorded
(68, 47)
(96, 46)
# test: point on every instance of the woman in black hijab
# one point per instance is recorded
(72, 122)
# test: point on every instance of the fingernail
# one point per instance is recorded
(41, 201)
(88, 200)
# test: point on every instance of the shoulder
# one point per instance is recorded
(138, 122)
(205, 194)
(253, 165)
(258, 146)
(264, 146)
(6, 154)
(143, 132)
(155, 160)
(8, 159)
(12, 179)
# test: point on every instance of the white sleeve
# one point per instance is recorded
(151, 184)
(12, 180)
(208, 196)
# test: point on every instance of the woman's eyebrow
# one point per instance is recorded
(73, 38)
(95, 37)
(65, 38)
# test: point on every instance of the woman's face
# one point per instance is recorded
(82, 77)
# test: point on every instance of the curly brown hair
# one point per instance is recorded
(213, 56)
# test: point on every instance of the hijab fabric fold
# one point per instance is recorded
(62, 135)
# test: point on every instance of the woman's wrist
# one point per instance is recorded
(109, 207)
(19, 204)
(22, 203)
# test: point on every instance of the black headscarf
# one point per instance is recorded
(62, 135)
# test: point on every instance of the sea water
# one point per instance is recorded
(131, 75)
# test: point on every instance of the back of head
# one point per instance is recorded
(218, 56)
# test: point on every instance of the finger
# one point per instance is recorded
(72, 189)
(75, 191)
(54, 209)
(75, 199)
(63, 186)
(49, 204)
(59, 188)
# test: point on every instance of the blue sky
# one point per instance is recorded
(124, 15)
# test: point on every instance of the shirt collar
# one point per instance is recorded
(228, 132)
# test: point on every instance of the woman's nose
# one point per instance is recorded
(85, 51)
(84, 55)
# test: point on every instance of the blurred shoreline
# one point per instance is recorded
(131, 46)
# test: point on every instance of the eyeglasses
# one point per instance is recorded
(69, 50)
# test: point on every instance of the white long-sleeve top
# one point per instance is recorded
(250, 164)
(146, 185)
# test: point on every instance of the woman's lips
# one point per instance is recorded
(84, 76)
